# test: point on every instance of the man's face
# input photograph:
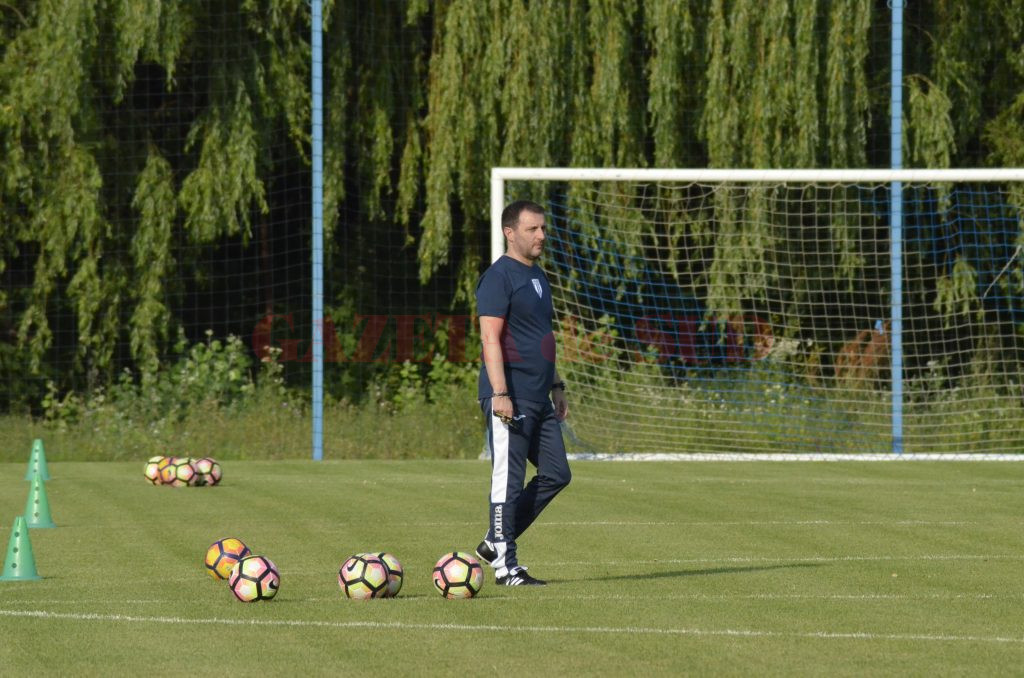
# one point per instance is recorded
(526, 241)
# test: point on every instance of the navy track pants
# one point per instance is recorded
(534, 437)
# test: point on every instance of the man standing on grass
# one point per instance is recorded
(520, 393)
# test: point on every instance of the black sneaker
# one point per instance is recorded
(486, 552)
(519, 577)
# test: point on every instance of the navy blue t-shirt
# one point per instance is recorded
(521, 295)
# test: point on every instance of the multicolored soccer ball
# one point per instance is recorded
(222, 556)
(152, 470)
(166, 468)
(182, 473)
(364, 576)
(254, 578)
(208, 471)
(396, 574)
(458, 575)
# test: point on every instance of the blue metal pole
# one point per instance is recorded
(317, 86)
(896, 227)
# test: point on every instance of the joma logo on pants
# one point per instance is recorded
(499, 529)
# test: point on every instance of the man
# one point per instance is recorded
(520, 393)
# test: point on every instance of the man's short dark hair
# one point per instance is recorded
(510, 215)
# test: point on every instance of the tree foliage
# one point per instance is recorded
(139, 137)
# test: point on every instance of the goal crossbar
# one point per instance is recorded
(499, 175)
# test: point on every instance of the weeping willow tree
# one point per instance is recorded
(632, 84)
(133, 135)
(137, 138)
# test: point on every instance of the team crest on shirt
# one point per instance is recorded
(536, 286)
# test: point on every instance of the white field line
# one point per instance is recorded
(647, 523)
(675, 481)
(845, 597)
(808, 456)
(851, 597)
(794, 559)
(722, 523)
(496, 628)
(72, 601)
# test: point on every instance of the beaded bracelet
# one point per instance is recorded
(559, 385)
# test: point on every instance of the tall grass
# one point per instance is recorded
(769, 410)
(265, 427)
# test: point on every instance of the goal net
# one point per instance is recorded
(795, 312)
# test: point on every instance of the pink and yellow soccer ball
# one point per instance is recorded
(458, 575)
(152, 470)
(166, 468)
(208, 471)
(363, 576)
(182, 473)
(396, 573)
(254, 578)
(222, 556)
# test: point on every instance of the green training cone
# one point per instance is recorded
(37, 508)
(20, 565)
(37, 462)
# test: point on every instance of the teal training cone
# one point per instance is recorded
(37, 462)
(37, 508)
(20, 565)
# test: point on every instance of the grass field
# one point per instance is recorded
(655, 569)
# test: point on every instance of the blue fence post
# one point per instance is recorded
(317, 136)
(896, 227)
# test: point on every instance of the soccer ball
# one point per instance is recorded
(458, 575)
(166, 468)
(182, 473)
(152, 470)
(395, 574)
(254, 578)
(207, 471)
(222, 556)
(364, 576)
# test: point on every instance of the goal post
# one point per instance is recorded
(769, 311)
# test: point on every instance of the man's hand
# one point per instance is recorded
(502, 407)
(561, 404)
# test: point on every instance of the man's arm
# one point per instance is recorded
(494, 362)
